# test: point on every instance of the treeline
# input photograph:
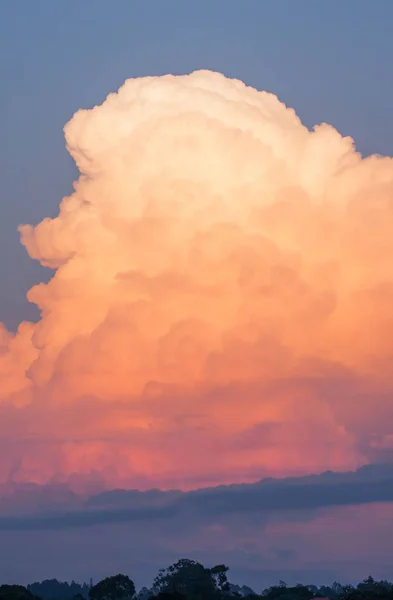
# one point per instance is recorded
(189, 580)
(51, 589)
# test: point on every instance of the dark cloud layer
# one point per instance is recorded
(369, 484)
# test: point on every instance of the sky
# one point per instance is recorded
(307, 531)
(328, 60)
(219, 308)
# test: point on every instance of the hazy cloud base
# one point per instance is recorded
(317, 528)
(32, 507)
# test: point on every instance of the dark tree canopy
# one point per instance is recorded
(169, 596)
(15, 592)
(219, 575)
(369, 589)
(52, 589)
(283, 592)
(191, 579)
(118, 587)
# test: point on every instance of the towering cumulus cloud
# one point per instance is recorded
(221, 306)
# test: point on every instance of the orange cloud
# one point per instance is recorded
(222, 297)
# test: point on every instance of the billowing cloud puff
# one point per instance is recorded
(221, 304)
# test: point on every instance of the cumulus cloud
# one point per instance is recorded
(220, 307)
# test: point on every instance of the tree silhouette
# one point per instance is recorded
(118, 587)
(52, 589)
(15, 592)
(191, 579)
(219, 574)
(283, 592)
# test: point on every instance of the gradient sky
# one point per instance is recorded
(329, 60)
(75, 426)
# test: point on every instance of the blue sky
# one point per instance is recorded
(330, 60)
